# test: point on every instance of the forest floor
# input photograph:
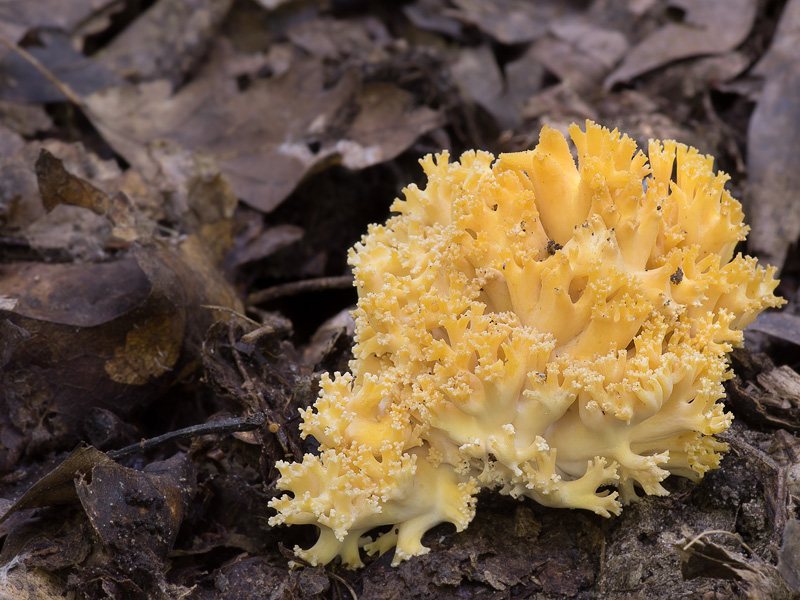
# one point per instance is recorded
(180, 182)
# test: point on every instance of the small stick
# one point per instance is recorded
(226, 426)
(723, 531)
(300, 287)
(62, 87)
(232, 311)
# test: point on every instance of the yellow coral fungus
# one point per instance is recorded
(532, 326)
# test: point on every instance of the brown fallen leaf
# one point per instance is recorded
(429, 16)
(87, 16)
(165, 42)
(480, 81)
(509, 21)
(133, 519)
(782, 325)
(137, 514)
(65, 232)
(112, 335)
(58, 186)
(336, 39)
(56, 52)
(773, 144)
(58, 486)
(579, 52)
(709, 27)
(267, 138)
(22, 119)
(263, 244)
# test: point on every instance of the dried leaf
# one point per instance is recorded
(336, 39)
(23, 119)
(56, 51)
(782, 325)
(429, 16)
(789, 558)
(773, 399)
(17, 17)
(479, 78)
(709, 27)
(137, 514)
(58, 486)
(264, 244)
(57, 186)
(166, 42)
(510, 21)
(773, 143)
(704, 558)
(112, 335)
(67, 232)
(267, 138)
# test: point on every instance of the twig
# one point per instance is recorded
(300, 287)
(304, 563)
(344, 583)
(218, 427)
(47, 73)
(231, 311)
(728, 533)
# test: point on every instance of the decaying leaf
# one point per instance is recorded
(579, 52)
(773, 142)
(479, 78)
(58, 186)
(67, 231)
(166, 41)
(112, 335)
(133, 518)
(58, 486)
(782, 325)
(137, 513)
(773, 399)
(701, 557)
(709, 27)
(789, 561)
(57, 53)
(18, 17)
(267, 138)
(510, 21)
(194, 104)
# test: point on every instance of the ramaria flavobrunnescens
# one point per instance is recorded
(529, 325)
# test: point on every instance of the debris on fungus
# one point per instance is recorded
(526, 324)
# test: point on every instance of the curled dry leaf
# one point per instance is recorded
(58, 186)
(66, 232)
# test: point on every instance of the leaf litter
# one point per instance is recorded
(180, 182)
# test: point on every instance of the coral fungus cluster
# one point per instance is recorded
(535, 326)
